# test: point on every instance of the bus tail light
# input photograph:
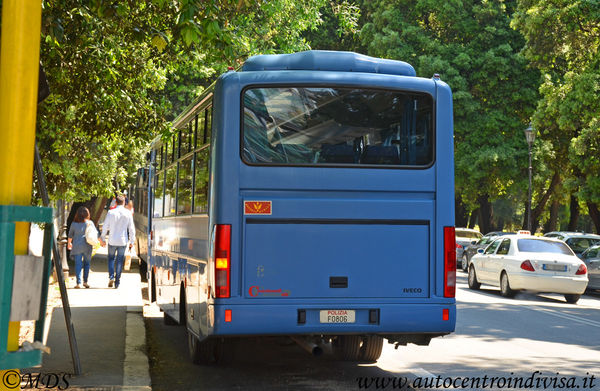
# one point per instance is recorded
(582, 270)
(222, 258)
(449, 262)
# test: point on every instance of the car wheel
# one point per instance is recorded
(465, 263)
(572, 299)
(505, 286)
(473, 284)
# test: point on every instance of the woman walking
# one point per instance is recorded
(80, 249)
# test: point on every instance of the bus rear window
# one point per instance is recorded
(337, 126)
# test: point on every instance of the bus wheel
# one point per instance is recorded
(347, 347)
(153, 288)
(225, 350)
(168, 320)
(371, 348)
(182, 307)
(204, 352)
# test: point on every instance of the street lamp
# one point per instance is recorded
(530, 137)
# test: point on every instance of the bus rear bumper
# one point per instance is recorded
(305, 320)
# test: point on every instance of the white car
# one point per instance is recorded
(523, 262)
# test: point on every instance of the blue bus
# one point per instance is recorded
(308, 195)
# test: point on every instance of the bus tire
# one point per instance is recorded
(153, 288)
(347, 347)
(371, 348)
(182, 307)
(472, 279)
(168, 320)
(225, 350)
(202, 352)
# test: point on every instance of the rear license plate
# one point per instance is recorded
(337, 316)
(554, 267)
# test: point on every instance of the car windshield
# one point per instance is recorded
(579, 245)
(468, 234)
(542, 246)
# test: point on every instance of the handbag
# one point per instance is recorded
(91, 234)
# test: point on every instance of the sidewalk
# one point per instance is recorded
(110, 333)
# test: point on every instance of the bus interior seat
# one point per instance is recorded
(296, 153)
(337, 153)
(377, 154)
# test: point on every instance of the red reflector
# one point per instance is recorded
(582, 270)
(526, 265)
(227, 315)
(449, 262)
(445, 314)
(222, 259)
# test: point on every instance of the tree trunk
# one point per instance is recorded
(485, 213)
(461, 216)
(594, 215)
(537, 211)
(473, 218)
(574, 215)
(553, 220)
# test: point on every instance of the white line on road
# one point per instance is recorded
(574, 318)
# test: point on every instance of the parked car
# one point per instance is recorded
(578, 241)
(471, 250)
(464, 237)
(591, 257)
(525, 262)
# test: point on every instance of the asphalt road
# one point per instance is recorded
(508, 339)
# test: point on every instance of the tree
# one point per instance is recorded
(472, 46)
(563, 39)
(119, 70)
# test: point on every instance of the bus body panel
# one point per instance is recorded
(282, 319)
(444, 174)
(291, 258)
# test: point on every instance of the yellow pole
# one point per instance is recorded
(19, 67)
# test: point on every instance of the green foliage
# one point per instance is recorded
(118, 71)
(563, 39)
(471, 45)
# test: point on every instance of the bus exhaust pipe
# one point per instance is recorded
(309, 346)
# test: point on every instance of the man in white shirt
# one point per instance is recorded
(120, 228)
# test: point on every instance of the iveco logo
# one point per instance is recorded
(412, 290)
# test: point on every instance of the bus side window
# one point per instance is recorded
(184, 187)
(184, 139)
(208, 125)
(170, 190)
(199, 139)
(168, 153)
(159, 157)
(201, 181)
(158, 196)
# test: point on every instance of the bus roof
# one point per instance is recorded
(324, 60)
